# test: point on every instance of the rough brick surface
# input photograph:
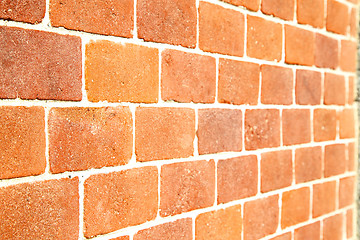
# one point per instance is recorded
(308, 164)
(83, 138)
(279, 8)
(299, 46)
(347, 123)
(324, 124)
(296, 126)
(351, 90)
(324, 198)
(349, 223)
(295, 207)
(333, 227)
(311, 12)
(346, 191)
(30, 11)
(352, 157)
(186, 186)
(308, 87)
(121, 72)
(286, 236)
(337, 17)
(335, 160)
(164, 133)
(326, 52)
(348, 56)
(39, 65)
(250, 4)
(124, 199)
(40, 210)
(353, 22)
(334, 89)
(311, 231)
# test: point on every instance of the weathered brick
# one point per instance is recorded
(22, 137)
(326, 52)
(39, 65)
(349, 223)
(334, 89)
(262, 128)
(295, 207)
(167, 21)
(324, 124)
(84, 138)
(353, 22)
(324, 198)
(164, 133)
(187, 77)
(250, 4)
(351, 90)
(237, 178)
(279, 8)
(261, 217)
(311, 12)
(178, 230)
(347, 123)
(299, 46)
(221, 224)
(308, 87)
(347, 191)
(337, 17)
(335, 160)
(217, 35)
(276, 85)
(285, 236)
(117, 72)
(296, 127)
(348, 55)
(124, 199)
(40, 210)
(107, 17)
(238, 82)
(352, 157)
(264, 39)
(310, 231)
(333, 227)
(186, 186)
(30, 11)
(276, 170)
(308, 164)
(219, 130)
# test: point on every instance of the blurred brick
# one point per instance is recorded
(334, 89)
(324, 124)
(337, 17)
(324, 198)
(308, 164)
(296, 127)
(335, 161)
(308, 87)
(250, 4)
(295, 207)
(299, 46)
(347, 123)
(351, 90)
(279, 8)
(352, 156)
(311, 12)
(347, 191)
(285, 236)
(353, 22)
(349, 223)
(333, 227)
(308, 232)
(30, 11)
(348, 56)
(326, 52)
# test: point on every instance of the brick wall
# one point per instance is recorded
(174, 119)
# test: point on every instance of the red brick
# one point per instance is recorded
(84, 138)
(352, 157)
(324, 124)
(276, 170)
(299, 46)
(217, 35)
(348, 56)
(351, 90)
(296, 126)
(178, 230)
(334, 89)
(107, 17)
(349, 223)
(308, 164)
(221, 224)
(39, 65)
(30, 11)
(237, 178)
(347, 123)
(286, 236)
(167, 21)
(164, 133)
(337, 18)
(326, 52)
(117, 72)
(121, 238)
(333, 227)
(238, 82)
(324, 198)
(120, 199)
(187, 186)
(264, 39)
(308, 87)
(22, 137)
(279, 8)
(250, 4)
(187, 77)
(353, 22)
(308, 232)
(347, 191)
(276, 85)
(311, 12)
(335, 160)
(40, 210)
(261, 217)
(219, 130)
(295, 207)
(262, 128)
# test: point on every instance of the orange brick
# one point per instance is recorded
(187, 186)
(121, 72)
(221, 224)
(347, 191)
(295, 207)
(353, 22)
(264, 39)
(164, 133)
(324, 198)
(276, 170)
(286, 236)
(219, 130)
(279, 8)
(324, 124)
(334, 89)
(262, 128)
(296, 126)
(121, 238)
(337, 17)
(349, 223)
(348, 56)
(308, 87)
(308, 164)
(351, 90)
(311, 12)
(311, 231)
(31, 11)
(217, 35)
(250, 4)
(261, 217)
(347, 123)
(22, 137)
(238, 82)
(187, 77)
(237, 178)
(352, 157)
(125, 198)
(167, 21)
(333, 227)
(335, 161)
(178, 230)
(326, 52)
(40, 210)
(276, 85)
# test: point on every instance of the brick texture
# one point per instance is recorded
(333, 227)
(335, 161)
(311, 231)
(334, 89)
(286, 236)
(311, 12)
(349, 223)
(250, 4)
(30, 11)
(308, 164)
(347, 123)
(348, 56)
(308, 87)
(324, 124)
(279, 8)
(346, 191)
(324, 198)
(326, 52)
(295, 207)
(299, 46)
(337, 17)
(296, 126)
